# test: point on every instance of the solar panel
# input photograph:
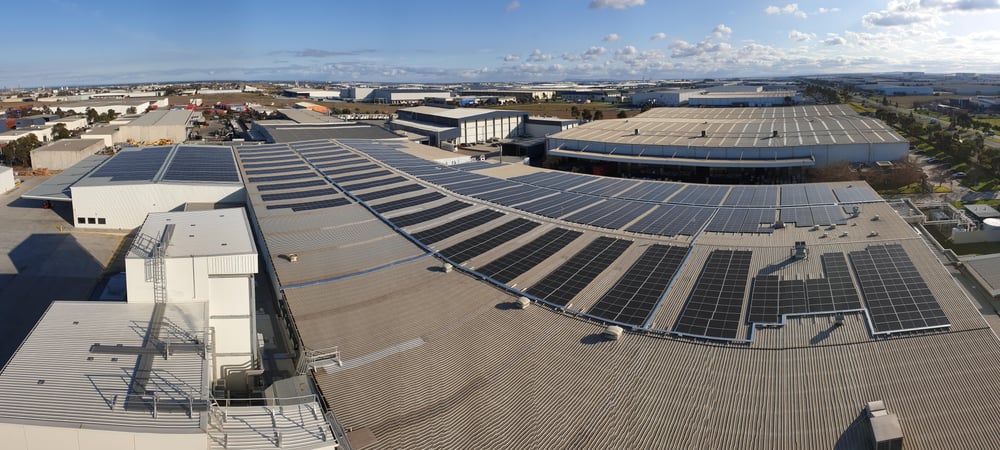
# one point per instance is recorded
(289, 157)
(741, 220)
(306, 206)
(605, 187)
(855, 194)
(298, 194)
(557, 205)
(793, 196)
(517, 262)
(478, 187)
(634, 296)
(700, 195)
(272, 170)
(327, 160)
(350, 169)
(429, 214)
(374, 183)
(652, 191)
(389, 192)
(518, 193)
(752, 196)
(564, 283)
(819, 194)
(611, 213)
(272, 164)
(714, 306)
(296, 185)
(202, 163)
(456, 226)
(486, 241)
(343, 162)
(475, 165)
(361, 176)
(673, 220)
(134, 165)
(291, 176)
(407, 202)
(554, 180)
(896, 295)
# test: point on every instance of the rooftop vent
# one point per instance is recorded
(636, 131)
(774, 133)
(875, 217)
(704, 133)
(293, 257)
(800, 251)
(838, 320)
(844, 234)
(613, 332)
(885, 430)
(814, 227)
(447, 267)
(779, 224)
(522, 302)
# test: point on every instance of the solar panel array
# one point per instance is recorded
(373, 183)
(564, 283)
(390, 192)
(772, 298)
(855, 194)
(298, 194)
(897, 297)
(813, 215)
(484, 242)
(700, 195)
(134, 165)
(307, 206)
(634, 296)
(673, 220)
(524, 258)
(610, 213)
(295, 185)
(714, 306)
(742, 220)
(429, 214)
(806, 194)
(752, 196)
(202, 164)
(407, 202)
(456, 226)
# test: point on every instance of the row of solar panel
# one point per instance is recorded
(772, 298)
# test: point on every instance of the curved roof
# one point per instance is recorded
(442, 359)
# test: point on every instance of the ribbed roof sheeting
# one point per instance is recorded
(533, 379)
(79, 392)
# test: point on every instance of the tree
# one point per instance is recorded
(130, 110)
(646, 107)
(19, 150)
(91, 115)
(574, 111)
(598, 115)
(586, 115)
(60, 113)
(622, 114)
(59, 131)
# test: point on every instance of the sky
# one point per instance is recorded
(75, 42)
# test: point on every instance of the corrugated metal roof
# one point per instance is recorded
(52, 380)
(460, 113)
(738, 128)
(57, 187)
(170, 117)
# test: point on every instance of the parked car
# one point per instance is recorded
(933, 160)
(957, 175)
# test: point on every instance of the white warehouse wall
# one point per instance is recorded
(484, 130)
(35, 437)
(7, 182)
(126, 206)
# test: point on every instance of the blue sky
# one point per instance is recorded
(67, 42)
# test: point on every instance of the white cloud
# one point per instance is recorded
(721, 31)
(538, 56)
(615, 4)
(613, 37)
(512, 57)
(931, 12)
(791, 8)
(822, 10)
(513, 5)
(658, 36)
(799, 36)
(834, 39)
(570, 57)
(593, 53)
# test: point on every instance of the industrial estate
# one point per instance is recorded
(673, 264)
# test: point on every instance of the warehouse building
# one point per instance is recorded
(446, 127)
(7, 182)
(407, 96)
(736, 139)
(322, 94)
(118, 192)
(744, 99)
(305, 124)
(668, 97)
(64, 153)
(148, 373)
(106, 133)
(172, 125)
(43, 134)
(70, 122)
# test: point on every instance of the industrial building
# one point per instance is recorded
(70, 122)
(171, 125)
(43, 134)
(119, 106)
(305, 124)
(312, 93)
(745, 99)
(152, 373)
(667, 97)
(734, 138)
(407, 96)
(460, 126)
(442, 284)
(106, 133)
(7, 181)
(118, 192)
(64, 153)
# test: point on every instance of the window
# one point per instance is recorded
(91, 220)
(81, 220)
(102, 221)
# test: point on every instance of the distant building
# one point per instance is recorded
(406, 96)
(43, 134)
(312, 93)
(70, 122)
(740, 98)
(34, 121)
(64, 153)
(668, 97)
(460, 126)
(156, 125)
